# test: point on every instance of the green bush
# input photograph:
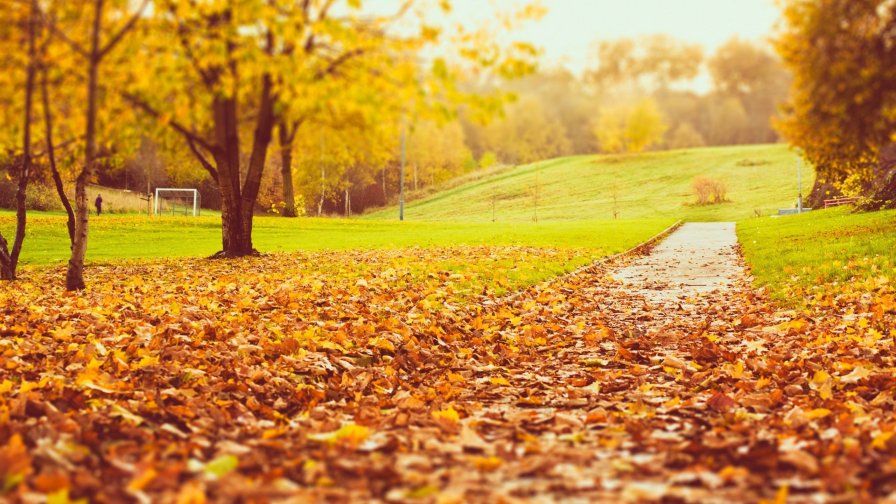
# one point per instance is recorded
(38, 196)
(42, 197)
(488, 159)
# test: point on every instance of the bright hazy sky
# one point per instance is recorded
(568, 32)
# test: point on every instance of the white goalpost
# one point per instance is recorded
(176, 201)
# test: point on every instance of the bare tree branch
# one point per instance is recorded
(208, 78)
(324, 10)
(115, 39)
(61, 35)
(187, 133)
(202, 159)
(338, 62)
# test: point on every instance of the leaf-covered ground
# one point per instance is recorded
(358, 375)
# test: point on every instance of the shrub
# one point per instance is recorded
(709, 191)
(488, 160)
(38, 196)
(42, 197)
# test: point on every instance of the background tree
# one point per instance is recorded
(26, 17)
(727, 121)
(842, 110)
(526, 133)
(436, 152)
(649, 63)
(752, 75)
(218, 61)
(630, 128)
(91, 43)
(685, 136)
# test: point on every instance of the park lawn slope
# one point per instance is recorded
(801, 257)
(760, 179)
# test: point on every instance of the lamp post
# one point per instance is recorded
(799, 180)
(401, 177)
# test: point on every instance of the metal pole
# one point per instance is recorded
(799, 182)
(323, 177)
(401, 178)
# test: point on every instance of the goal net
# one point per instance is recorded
(174, 201)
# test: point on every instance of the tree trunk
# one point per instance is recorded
(821, 190)
(51, 155)
(5, 272)
(323, 178)
(232, 234)
(885, 178)
(9, 260)
(238, 202)
(227, 160)
(289, 198)
(348, 202)
(264, 129)
(74, 279)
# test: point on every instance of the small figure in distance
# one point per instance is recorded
(99, 204)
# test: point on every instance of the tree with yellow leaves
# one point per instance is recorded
(632, 128)
(25, 17)
(842, 109)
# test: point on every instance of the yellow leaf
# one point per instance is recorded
(672, 403)
(350, 433)
(821, 383)
(781, 496)
(26, 386)
(856, 375)
(736, 371)
(382, 344)
(147, 361)
(818, 413)
(449, 414)
(880, 441)
(486, 464)
(455, 377)
(141, 480)
(499, 380)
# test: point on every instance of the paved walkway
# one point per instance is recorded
(697, 258)
(609, 404)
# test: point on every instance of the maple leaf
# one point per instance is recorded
(15, 463)
(857, 374)
(350, 434)
(721, 402)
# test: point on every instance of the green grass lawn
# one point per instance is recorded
(795, 253)
(138, 236)
(760, 178)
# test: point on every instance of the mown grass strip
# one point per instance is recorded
(794, 255)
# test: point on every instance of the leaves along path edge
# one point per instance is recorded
(312, 383)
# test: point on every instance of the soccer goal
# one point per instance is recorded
(174, 201)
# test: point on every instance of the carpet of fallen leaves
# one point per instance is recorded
(352, 376)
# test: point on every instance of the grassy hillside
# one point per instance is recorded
(760, 178)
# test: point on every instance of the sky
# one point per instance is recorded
(567, 34)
